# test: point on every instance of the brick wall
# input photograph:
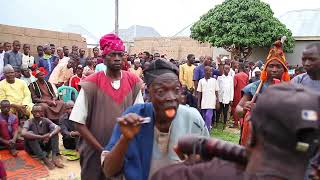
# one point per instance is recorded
(36, 37)
(175, 47)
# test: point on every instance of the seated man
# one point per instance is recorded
(42, 92)
(144, 138)
(70, 136)
(284, 137)
(16, 91)
(62, 73)
(41, 137)
(9, 129)
(26, 76)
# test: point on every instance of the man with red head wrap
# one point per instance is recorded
(102, 99)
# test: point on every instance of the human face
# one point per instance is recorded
(275, 70)
(191, 60)
(40, 51)
(165, 93)
(40, 76)
(69, 108)
(26, 49)
(7, 47)
(26, 73)
(16, 46)
(82, 52)
(53, 49)
(207, 72)
(114, 60)
(5, 107)
(74, 48)
(17, 73)
(95, 52)
(60, 53)
(48, 51)
(70, 63)
(37, 112)
(156, 56)
(66, 51)
(10, 75)
(137, 64)
(207, 61)
(79, 71)
(226, 69)
(311, 61)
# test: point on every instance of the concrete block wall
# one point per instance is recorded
(175, 47)
(36, 37)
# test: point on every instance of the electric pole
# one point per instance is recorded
(116, 29)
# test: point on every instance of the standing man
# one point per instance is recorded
(311, 63)
(53, 49)
(1, 59)
(156, 56)
(225, 94)
(7, 46)
(62, 58)
(27, 59)
(83, 59)
(136, 149)
(47, 61)
(208, 101)
(186, 72)
(14, 57)
(240, 81)
(199, 71)
(40, 54)
(66, 51)
(102, 98)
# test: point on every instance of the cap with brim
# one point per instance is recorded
(287, 115)
(157, 68)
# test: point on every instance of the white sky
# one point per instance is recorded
(167, 16)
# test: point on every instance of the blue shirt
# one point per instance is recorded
(48, 64)
(139, 155)
(251, 88)
(199, 73)
(306, 81)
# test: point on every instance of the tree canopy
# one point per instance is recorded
(240, 25)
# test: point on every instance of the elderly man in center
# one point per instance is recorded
(143, 140)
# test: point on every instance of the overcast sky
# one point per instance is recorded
(97, 16)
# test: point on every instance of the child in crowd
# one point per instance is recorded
(208, 96)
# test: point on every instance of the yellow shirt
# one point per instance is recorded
(186, 75)
(17, 93)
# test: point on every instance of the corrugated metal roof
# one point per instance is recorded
(302, 22)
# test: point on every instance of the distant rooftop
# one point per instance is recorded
(305, 22)
(136, 31)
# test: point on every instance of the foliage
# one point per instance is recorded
(230, 135)
(240, 25)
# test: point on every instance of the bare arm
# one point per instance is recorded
(87, 136)
(55, 131)
(199, 99)
(29, 135)
(195, 86)
(242, 106)
(115, 157)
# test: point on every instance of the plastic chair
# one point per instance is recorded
(65, 93)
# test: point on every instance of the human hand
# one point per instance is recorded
(248, 106)
(130, 125)
(184, 157)
(11, 142)
(45, 137)
(230, 104)
(74, 133)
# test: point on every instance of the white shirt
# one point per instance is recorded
(231, 72)
(226, 89)
(64, 60)
(1, 62)
(208, 88)
(27, 61)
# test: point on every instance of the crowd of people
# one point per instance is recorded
(131, 110)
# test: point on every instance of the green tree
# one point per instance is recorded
(240, 25)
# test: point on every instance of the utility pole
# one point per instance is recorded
(116, 29)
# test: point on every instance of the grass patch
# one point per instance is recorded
(230, 135)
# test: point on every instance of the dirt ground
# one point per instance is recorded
(71, 171)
